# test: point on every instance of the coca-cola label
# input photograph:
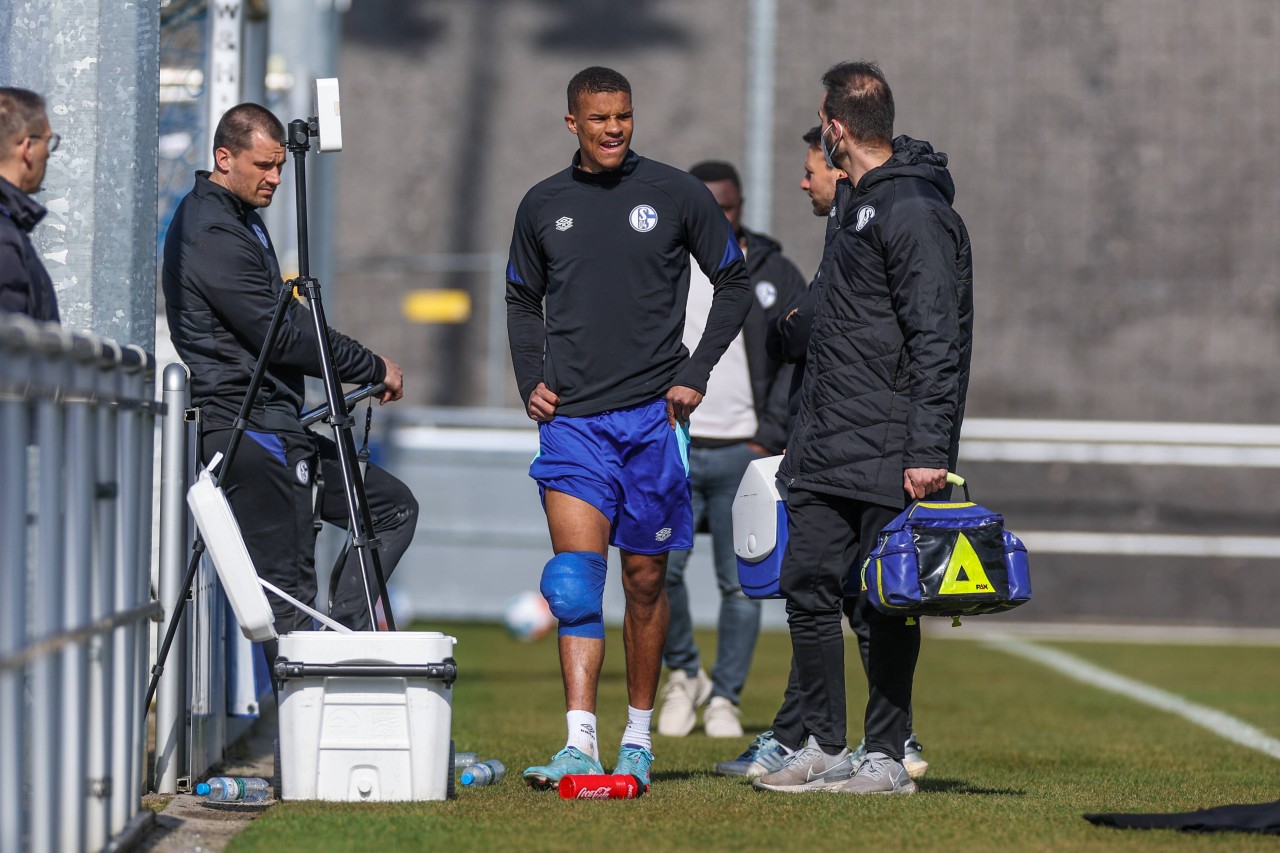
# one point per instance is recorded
(601, 793)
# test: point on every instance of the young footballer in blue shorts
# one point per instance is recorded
(606, 243)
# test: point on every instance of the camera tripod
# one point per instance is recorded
(336, 413)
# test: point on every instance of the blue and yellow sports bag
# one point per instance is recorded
(947, 558)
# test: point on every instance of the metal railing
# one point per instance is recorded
(76, 424)
(207, 697)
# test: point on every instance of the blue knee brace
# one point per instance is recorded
(573, 585)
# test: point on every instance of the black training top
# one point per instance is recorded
(221, 284)
(610, 253)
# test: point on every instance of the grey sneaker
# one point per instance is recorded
(912, 759)
(877, 774)
(765, 755)
(808, 769)
(681, 697)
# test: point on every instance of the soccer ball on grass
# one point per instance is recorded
(527, 617)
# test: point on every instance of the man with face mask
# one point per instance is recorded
(26, 141)
(829, 192)
(221, 285)
(878, 423)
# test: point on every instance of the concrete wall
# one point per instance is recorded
(1113, 162)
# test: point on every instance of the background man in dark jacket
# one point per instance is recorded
(743, 418)
(879, 422)
(221, 283)
(26, 141)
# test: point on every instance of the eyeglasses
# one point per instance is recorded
(52, 140)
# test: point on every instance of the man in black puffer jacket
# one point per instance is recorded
(882, 401)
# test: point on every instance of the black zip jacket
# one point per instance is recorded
(25, 286)
(888, 358)
(776, 283)
(221, 284)
(610, 254)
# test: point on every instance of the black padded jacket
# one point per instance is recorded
(887, 364)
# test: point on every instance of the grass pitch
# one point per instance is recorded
(1017, 753)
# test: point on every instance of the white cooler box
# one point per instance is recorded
(365, 716)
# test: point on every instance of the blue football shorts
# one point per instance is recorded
(629, 464)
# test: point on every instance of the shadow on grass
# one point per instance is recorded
(681, 775)
(960, 786)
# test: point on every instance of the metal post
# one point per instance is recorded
(101, 671)
(226, 42)
(173, 553)
(304, 46)
(130, 650)
(124, 652)
(75, 589)
(762, 32)
(142, 385)
(15, 383)
(46, 609)
(498, 362)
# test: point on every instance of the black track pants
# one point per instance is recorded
(829, 537)
(270, 490)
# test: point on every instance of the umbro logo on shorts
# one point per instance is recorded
(663, 535)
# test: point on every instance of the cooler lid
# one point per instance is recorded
(230, 556)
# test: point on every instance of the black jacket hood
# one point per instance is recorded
(913, 158)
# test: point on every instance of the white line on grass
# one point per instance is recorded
(1222, 724)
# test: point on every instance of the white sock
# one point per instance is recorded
(637, 730)
(582, 733)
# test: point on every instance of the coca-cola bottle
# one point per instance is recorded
(618, 786)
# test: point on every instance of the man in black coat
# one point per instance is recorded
(26, 141)
(878, 424)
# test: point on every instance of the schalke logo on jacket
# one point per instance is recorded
(262, 235)
(643, 218)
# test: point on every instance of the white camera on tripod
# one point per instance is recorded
(328, 113)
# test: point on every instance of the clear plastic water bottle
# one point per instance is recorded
(235, 789)
(485, 773)
(464, 759)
